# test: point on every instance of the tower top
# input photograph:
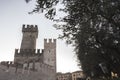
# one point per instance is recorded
(49, 40)
(29, 28)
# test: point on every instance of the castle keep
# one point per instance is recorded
(31, 63)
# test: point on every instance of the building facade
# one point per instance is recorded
(77, 75)
(31, 63)
(64, 76)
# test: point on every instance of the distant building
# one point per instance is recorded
(64, 76)
(77, 75)
(31, 63)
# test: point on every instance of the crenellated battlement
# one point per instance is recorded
(36, 66)
(7, 63)
(41, 64)
(49, 40)
(31, 52)
(29, 28)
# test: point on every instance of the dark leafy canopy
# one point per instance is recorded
(93, 27)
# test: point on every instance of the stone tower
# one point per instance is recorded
(27, 52)
(49, 56)
(30, 34)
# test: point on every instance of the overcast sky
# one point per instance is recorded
(13, 14)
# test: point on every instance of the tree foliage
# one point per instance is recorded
(93, 27)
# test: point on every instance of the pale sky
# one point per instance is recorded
(13, 14)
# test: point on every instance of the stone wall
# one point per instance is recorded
(41, 72)
(28, 55)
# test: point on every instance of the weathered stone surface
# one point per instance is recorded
(41, 73)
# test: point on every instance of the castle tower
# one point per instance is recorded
(50, 52)
(27, 50)
(30, 34)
